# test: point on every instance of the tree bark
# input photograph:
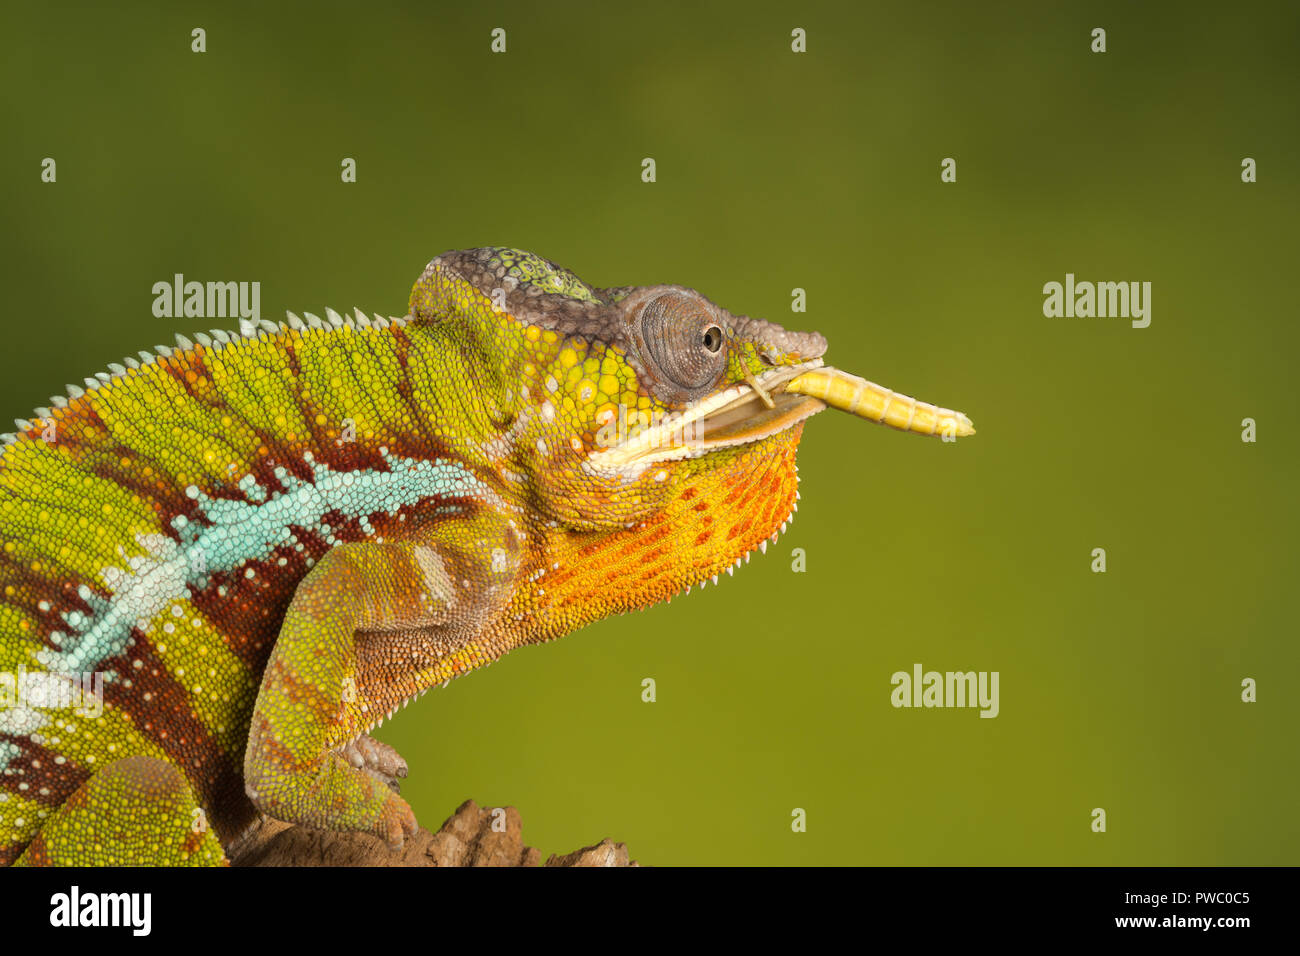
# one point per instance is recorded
(467, 838)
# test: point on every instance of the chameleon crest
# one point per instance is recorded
(224, 563)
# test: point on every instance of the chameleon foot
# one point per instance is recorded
(396, 822)
(376, 757)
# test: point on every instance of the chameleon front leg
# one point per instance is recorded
(317, 697)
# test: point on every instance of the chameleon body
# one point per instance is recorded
(253, 547)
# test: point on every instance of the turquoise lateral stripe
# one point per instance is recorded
(242, 531)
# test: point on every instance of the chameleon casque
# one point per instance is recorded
(263, 543)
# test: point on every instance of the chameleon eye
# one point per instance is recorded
(683, 340)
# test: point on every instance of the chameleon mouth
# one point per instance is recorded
(738, 415)
(770, 404)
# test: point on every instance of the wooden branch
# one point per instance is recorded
(467, 838)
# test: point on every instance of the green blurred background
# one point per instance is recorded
(775, 171)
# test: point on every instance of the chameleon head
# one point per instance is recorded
(636, 399)
(728, 398)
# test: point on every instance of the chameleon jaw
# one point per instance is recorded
(738, 415)
(765, 406)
